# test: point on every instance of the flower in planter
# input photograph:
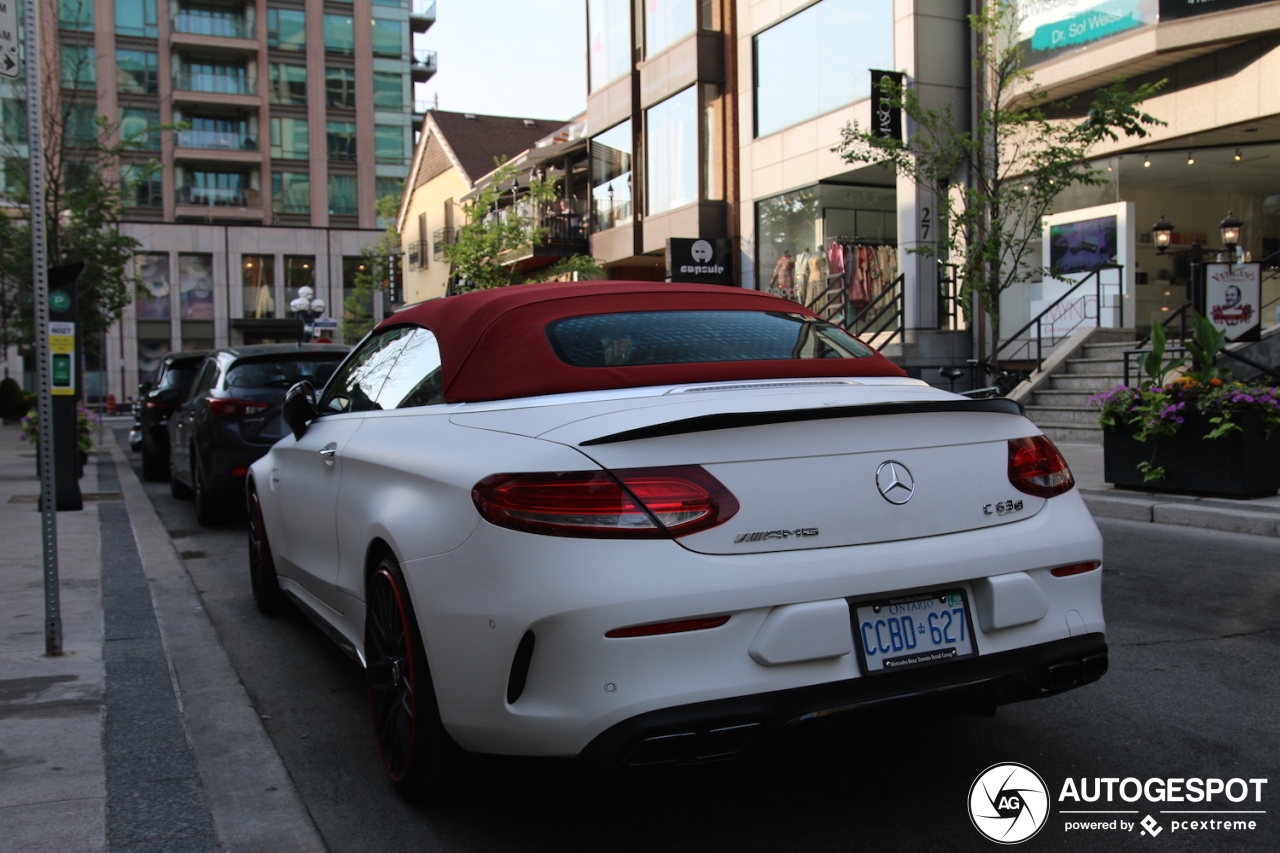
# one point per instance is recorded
(87, 423)
(1159, 408)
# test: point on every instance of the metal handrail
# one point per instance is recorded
(876, 318)
(1038, 324)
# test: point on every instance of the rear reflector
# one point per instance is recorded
(1037, 468)
(668, 627)
(239, 472)
(635, 503)
(1077, 569)
(223, 408)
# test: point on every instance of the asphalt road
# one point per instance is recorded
(1194, 627)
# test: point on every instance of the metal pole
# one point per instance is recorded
(40, 281)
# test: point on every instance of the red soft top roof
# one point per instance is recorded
(493, 343)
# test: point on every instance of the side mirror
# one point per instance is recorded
(299, 408)
(143, 388)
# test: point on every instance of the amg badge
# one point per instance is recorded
(762, 535)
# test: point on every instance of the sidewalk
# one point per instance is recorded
(141, 737)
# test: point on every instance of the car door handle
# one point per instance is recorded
(328, 453)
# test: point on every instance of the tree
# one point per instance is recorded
(83, 200)
(492, 232)
(372, 277)
(996, 180)
(584, 267)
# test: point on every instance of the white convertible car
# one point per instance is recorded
(658, 523)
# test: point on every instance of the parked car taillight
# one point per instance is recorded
(224, 408)
(635, 503)
(1037, 468)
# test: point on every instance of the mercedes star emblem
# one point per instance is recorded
(895, 482)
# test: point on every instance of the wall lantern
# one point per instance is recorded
(1163, 233)
(1230, 228)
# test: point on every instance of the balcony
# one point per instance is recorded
(422, 65)
(232, 197)
(565, 222)
(441, 238)
(228, 25)
(215, 83)
(416, 256)
(422, 15)
(218, 140)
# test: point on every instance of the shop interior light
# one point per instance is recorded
(1238, 156)
(1191, 159)
(1146, 162)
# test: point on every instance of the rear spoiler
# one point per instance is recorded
(732, 420)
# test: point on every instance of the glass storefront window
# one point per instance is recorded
(671, 136)
(78, 68)
(340, 140)
(153, 269)
(352, 267)
(817, 60)
(137, 72)
(608, 40)
(388, 143)
(388, 91)
(786, 223)
(339, 34)
(291, 192)
(388, 38)
(258, 278)
(611, 177)
(287, 29)
(195, 286)
(289, 138)
(666, 22)
(340, 88)
(133, 17)
(288, 83)
(299, 271)
(342, 195)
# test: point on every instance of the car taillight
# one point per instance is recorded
(656, 629)
(223, 408)
(1074, 569)
(635, 503)
(1037, 468)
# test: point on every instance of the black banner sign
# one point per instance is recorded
(699, 261)
(886, 113)
(1172, 10)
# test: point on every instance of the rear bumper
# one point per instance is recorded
(728, 728)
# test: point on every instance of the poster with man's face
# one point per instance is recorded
(1232, 298)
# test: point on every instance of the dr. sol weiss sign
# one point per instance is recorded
(699, 261)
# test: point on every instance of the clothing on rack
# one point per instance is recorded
(784, 272)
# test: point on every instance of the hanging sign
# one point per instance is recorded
(1233, 296)
(9, 39)
(699, 261)
(886, 118)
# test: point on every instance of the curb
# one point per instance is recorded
(253, 801)
(1253, 520)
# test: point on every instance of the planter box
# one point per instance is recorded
(1242, 464)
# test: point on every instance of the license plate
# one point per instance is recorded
(913, 630)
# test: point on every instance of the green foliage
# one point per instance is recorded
(374, 278)
(492, 234)
(586, 267)
(1204, 348)
(1017, 158)
(1153, 364)
(13, 403)
(87, 424)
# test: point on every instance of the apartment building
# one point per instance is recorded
(298, 115)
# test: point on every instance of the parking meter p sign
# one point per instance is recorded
(9, 38)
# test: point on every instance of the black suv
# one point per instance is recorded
(232, 417)
(156, 402)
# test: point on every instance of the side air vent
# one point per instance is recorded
(520, 668)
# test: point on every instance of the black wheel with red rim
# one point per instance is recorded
(416, 752)
(262, 567)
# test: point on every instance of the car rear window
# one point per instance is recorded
(277, 372)
(692, 337)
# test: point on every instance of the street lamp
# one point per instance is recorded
(1229, 228)
(308, 309)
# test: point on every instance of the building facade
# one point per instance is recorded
(295, 117)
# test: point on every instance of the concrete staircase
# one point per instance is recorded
(1057, 401)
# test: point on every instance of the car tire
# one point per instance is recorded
(155, 467)
(417, 753)
(267, 595)
(177, 488)
(209, 513)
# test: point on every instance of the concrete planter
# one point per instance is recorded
(1242, 464)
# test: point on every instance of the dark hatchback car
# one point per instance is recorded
(156, 403)
(232, 417)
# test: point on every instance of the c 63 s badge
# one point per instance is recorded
(764, 535)
(1002, 508)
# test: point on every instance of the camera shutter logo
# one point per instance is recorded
(702, 252)
(1008, 803)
